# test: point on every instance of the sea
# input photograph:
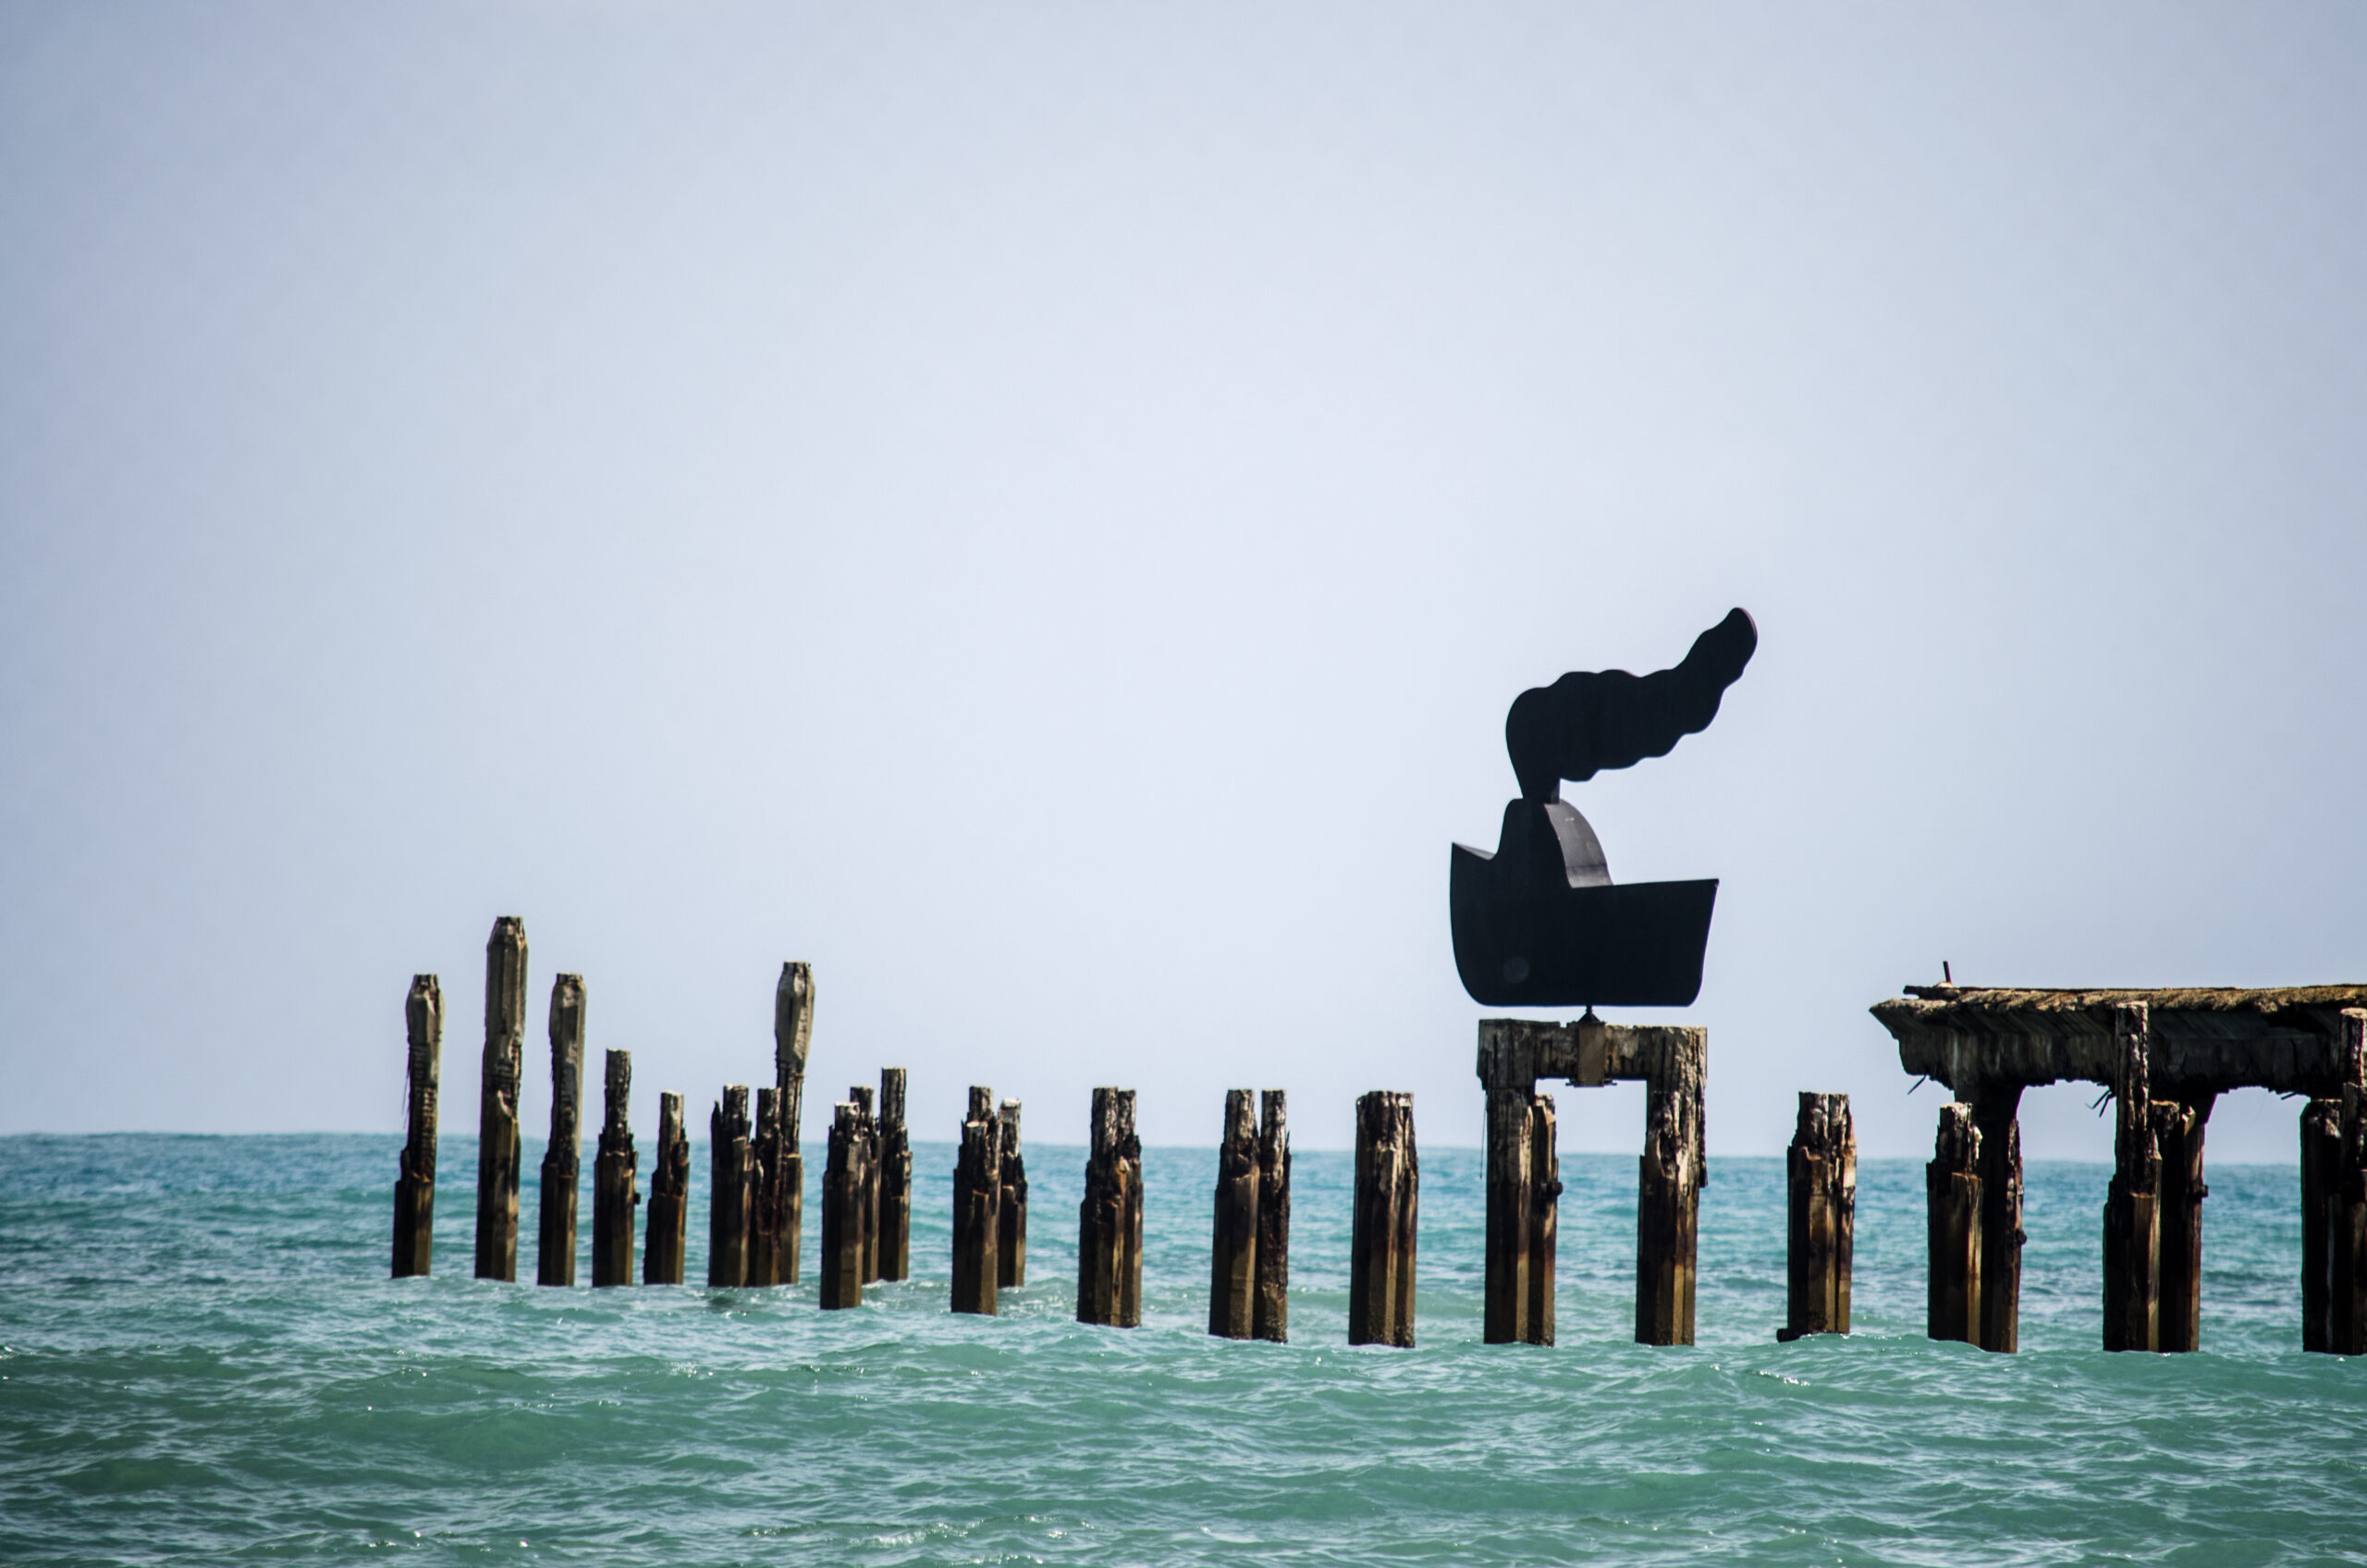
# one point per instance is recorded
(201, 1360)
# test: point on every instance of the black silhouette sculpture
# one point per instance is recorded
(1539, 923)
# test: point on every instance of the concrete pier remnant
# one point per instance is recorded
(1525, 1181)
(2163, 1055)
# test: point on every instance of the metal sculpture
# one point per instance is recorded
(1539, 923)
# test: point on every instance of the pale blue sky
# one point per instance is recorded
(1040, 510)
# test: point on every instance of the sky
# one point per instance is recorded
(1040, 510)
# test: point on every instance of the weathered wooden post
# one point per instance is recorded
(867, 1243)
(615, 1192)
(845, 1179)
(1382, 1229)
(2321, 1156)
(977, 1205)
(2177, 1131)
(783, 1197)
(1130, 1269)
(1512, 1189)
(563, 1156)
(669, 1198)
(731, 1164)
(1668, 1196)
(1109, 1260)
(2343, 1181)
(2132, 1203)
(1823, 1172)
(1011, 1238)
(498, 1138)
(767, 1251)
(1544, 1218)
(895, 1178)
(1272, 1319)
(415, 1177)
(1232, 1255)
(1996, 1117)
(1951, 1190)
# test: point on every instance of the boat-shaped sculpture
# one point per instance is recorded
(1539, 923)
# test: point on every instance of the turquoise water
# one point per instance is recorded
(201, 1359)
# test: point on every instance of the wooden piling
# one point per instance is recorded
(978, 1206)
(1511, 1191)
(1823, 1179)
(2346, 1201)
(1272, 1319)
(867, 1200)
(731, 1165)
(498, 1134)
(2132, 1239)
(895, 1178)
(768, 1253)
(1130, 1273)
(1109, 1253)
(415, 1176)
(1668, 1200)
(1233, 1267)
(616, 1193)
(1010, 1238)
(2321, 1156)
(1951, 1190)
(1383, 1226)
(1996, 1117)
(2177, 1131)
(662, 1245)
(846, 1180)
(1544, 1216)
(563, 1156)
(782, 1199)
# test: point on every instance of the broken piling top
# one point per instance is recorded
(614, 1122)
(505, 993)
(793, 1018)
(567, 1063)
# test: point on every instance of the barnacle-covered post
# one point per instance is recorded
(415, 1177)
(868, 1238)
(767, 1251)
(498, 1136)
(1670, 1175)
(615, 1192)
(669, 1194)
(563, 1156)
